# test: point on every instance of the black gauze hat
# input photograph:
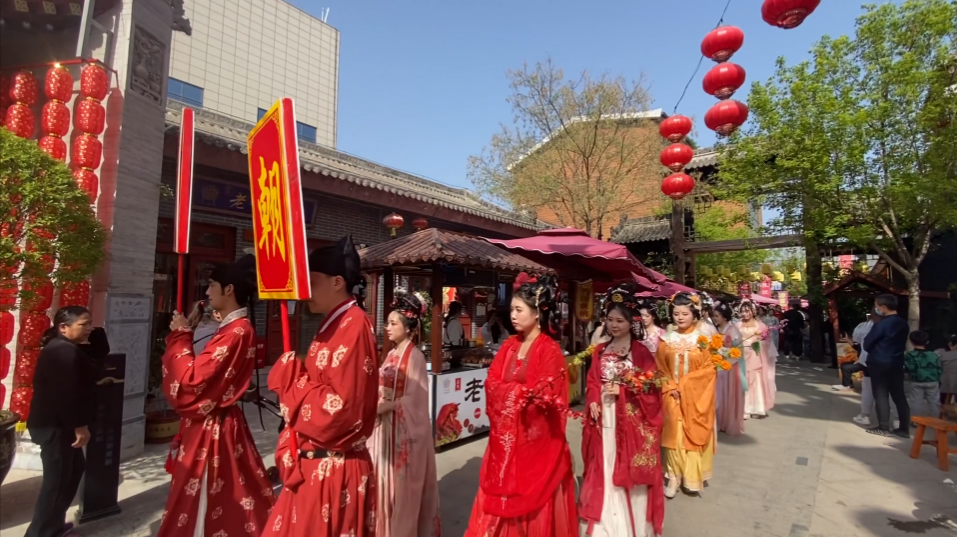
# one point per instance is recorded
(241, 274)
(340, 259)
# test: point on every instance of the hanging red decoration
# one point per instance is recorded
(677, 185)
(75, 294)
(24, 88)
(54, 146)
(4, 363)
(6, 327)
(20, 120)
(722, 42)
(676, 156)
(42, 298)
(87, 151)
(723, 80)
(787, 14)
(94, 81)
(20, 401)
(726, 116)
(32, 326)
(25, 367)
(88, 182)
(55, 118)
(90, 117)
(420, 223)
(8, 296)
(675, 128)
(393, 221)
(58, 84)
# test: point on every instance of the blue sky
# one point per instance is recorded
(422, 83)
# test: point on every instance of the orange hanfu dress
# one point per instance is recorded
(687, 439)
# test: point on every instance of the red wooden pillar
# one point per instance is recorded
(438, 279)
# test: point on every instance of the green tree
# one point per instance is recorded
(580, 149)
(48, 230)
(857, 144)
(723, 222)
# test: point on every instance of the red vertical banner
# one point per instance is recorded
(184, 198)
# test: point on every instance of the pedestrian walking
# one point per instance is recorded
(885, 346)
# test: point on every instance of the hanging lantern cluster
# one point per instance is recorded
(90, 120)
(19, 118)
(676, 156)
(393, 221)
(724, 79)
(34, 321)
(55, 118)
(787, 14)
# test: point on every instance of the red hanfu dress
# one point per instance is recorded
(526, 488)
(622, 491)
(219, 484)
(329, 402)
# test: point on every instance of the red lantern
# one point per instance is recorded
(4, 364)
(42, 295)
(32, 326)
(723, 80)
(75, 294)
(393, 222)
(24, 88)
(6, 327)
(676, 156)
(8, 299)
(58, 84)
(722, 42)
(20, 120)
(20, 401)
(726, 116)
(55, 118)
(675, 128)
(87, 151)
(787, 14)
(420, 223)
(88, 182)
(677, 185)
(90, 117)
(54, 146)
(94, 81)
(26, 367)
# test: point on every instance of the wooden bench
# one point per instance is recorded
(942, 427)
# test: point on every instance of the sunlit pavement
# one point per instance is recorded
(806, 471)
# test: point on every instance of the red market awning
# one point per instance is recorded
(576, 255)
(664, 290)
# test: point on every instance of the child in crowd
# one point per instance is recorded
(922, 373)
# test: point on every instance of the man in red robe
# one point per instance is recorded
(329, 402)
(219, 486)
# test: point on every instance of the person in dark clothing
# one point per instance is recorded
(62, 411)
(794, 331)
(885, 345)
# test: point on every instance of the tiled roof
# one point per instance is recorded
(642, 230)
(224, 131)
(703, 158)
(433, 245)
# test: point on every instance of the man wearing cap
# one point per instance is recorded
(329, 403)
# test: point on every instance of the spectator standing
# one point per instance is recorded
(794, 331)
(867, 392)
(885, 346)
(948, 365)
(922, 374)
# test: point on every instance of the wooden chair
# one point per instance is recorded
(941, 427)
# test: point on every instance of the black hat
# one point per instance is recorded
(241, 274)
(340, 259)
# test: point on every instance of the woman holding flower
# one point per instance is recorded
(401, 444)
(760, 362)
(732, 383)
(688, 398)
(526, 485)
(622, 490)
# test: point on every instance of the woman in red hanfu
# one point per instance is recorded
(402, 446)
(622, 492)
(328, 401)
(219, 484)
(526, 486)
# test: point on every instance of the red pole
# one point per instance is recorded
(284, 313)
(179, 283)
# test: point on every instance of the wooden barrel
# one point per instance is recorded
(161, 426)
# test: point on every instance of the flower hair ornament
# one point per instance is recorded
(620, 295)
(695, 299)
(411, 306)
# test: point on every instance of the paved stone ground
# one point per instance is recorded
(807, 471)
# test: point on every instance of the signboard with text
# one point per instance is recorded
(219, 196)
(276, 196)
(585, 301)
(460, 405)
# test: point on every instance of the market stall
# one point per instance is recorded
(449, 266)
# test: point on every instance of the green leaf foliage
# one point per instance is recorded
(48, 229)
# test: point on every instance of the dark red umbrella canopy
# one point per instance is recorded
(664, 290)
(576, 255)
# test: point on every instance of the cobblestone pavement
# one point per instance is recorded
(807, 471)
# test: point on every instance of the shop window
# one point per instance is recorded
(305, 132)
(184, 92)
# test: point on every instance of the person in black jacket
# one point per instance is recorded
(885, 345)
(62, 411)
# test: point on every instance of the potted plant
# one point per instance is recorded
(8, 441)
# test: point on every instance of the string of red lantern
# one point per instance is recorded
(34, 321)
(723, 80)
(19, 118)
(676, 156)
(55, 118)
(787, 14)
(90, 122)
